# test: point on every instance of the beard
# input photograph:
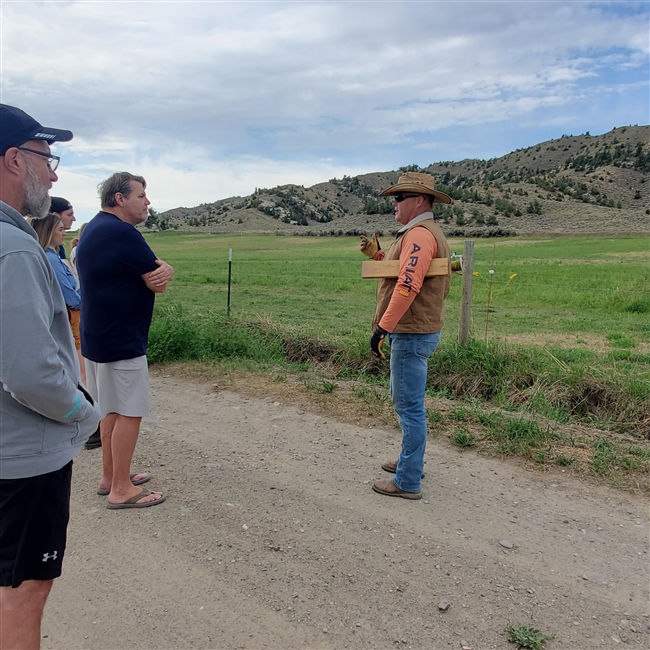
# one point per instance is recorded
(36, 203)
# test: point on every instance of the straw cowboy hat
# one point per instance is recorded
(417, 183)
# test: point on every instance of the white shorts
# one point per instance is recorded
(120, 387)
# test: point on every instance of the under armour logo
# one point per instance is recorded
(47, 556)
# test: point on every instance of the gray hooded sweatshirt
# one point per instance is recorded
(45, 416)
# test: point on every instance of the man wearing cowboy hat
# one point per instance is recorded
(410, 312)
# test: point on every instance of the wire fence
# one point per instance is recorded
(292, 291)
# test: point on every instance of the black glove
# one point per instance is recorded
(377, 342)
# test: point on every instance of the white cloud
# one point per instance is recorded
(172, 179)
(225, 84)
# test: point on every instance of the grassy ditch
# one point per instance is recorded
(530, 380)
(620, 461)
(178, 336)
(560, 385)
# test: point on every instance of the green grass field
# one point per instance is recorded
(568, 338)
(591, 292)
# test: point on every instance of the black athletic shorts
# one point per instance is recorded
(34, 514)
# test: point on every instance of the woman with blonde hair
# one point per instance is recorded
(51, 233)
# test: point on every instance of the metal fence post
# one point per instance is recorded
(229, 276)
(466, 299)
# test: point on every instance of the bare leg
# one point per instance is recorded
(117, 458)
(106, 431)
(21, 612)
(106, 427)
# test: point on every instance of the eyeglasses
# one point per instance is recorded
(52, 161)
(398, 198)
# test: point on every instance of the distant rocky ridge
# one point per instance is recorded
(574, 185)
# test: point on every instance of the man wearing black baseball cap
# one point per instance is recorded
(25, 184)
(18, 128)
(45, 414)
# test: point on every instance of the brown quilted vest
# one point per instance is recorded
(427, 312)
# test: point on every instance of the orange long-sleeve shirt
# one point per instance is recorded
(418, 249)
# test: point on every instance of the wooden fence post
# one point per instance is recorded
(466, 300)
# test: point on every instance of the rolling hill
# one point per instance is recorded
(573, 185)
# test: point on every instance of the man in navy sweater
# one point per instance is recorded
(120, 276)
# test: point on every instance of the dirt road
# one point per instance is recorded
(272, 538)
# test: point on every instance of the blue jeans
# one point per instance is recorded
(409, 356)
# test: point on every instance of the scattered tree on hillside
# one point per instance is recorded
(374, 206)
(478, 216)
(152, 219)
(442, 211)
(642, 158)
(505, 207)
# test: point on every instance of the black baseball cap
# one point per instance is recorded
(16, 128)
(58, 204)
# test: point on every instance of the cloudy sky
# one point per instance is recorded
(212, 99)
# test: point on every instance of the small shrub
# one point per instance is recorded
(328, 386)
(460, 414)
(519, 436)
(487, 419)
(609, 458)
(639, 306)
(524, 429)
(618, 340)
(526, 636)
(463, 438)
(440, 393)
(604, 457)
(640, 452)
(374, 398)
(434, 417)
(534, 207)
